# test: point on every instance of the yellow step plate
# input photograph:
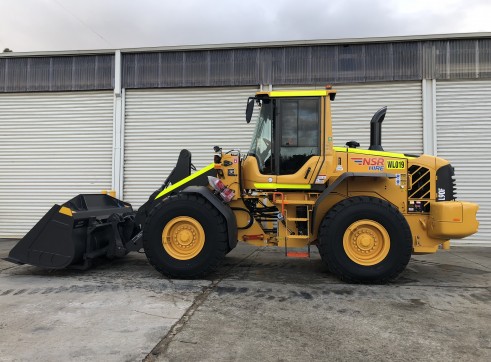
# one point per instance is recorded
(295, 202)
(297, 237)
(297, 219)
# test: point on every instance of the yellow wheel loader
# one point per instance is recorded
(366, 210)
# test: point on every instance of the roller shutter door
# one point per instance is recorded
(354, 106)
(463, 115)
(53, 146)
(159, 123)
(402, 129)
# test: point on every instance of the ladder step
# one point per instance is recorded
(296, 202)
(298, 236)
(297, 254)
(297, 219)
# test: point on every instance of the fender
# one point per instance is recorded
(336, 183)
(179, 182)
(224, 209)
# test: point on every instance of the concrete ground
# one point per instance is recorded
(258, 306)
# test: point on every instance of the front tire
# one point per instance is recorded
(365, 240)
(185, 236)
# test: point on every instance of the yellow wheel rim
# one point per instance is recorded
(183, 238)
(366, 242)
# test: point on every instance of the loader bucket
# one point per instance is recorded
(75, 233)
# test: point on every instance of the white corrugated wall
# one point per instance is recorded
(53, 146)
(402, 129)
(56, 145)
(159, 123)
(354, 106)
(463, 119)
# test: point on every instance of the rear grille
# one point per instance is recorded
(419, 194)
(446, 187)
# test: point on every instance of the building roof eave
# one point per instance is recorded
(269, 44)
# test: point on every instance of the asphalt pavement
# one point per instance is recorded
(258, 306)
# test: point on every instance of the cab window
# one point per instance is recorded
(299, 119)
(262, 140)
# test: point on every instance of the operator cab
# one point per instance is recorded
(287, 134)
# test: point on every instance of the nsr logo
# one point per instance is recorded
(374, 163)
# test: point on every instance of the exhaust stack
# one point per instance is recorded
(376, 130)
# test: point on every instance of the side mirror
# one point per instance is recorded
(249, 109)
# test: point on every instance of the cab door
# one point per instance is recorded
(299, 145)
(258, 168)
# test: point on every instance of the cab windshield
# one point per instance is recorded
(294, 122)
(262, 140)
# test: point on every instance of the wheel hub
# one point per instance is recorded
(183, 238)
(366, 242)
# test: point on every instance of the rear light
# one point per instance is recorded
(225, 193)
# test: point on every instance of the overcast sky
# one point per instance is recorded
(42, 25)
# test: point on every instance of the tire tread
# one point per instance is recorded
(328, 220)
(219, 252)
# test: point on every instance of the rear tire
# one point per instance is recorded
(365, 240)
(185, 236)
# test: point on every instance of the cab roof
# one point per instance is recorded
(297, 93)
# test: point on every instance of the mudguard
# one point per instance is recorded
(199, 178)
(336, 183)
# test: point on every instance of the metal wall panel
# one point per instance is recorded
(348, 63)
(159, 123)
(310, 64)
(53, 146)
(463, 116)
(354, 106)
(67, 73)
